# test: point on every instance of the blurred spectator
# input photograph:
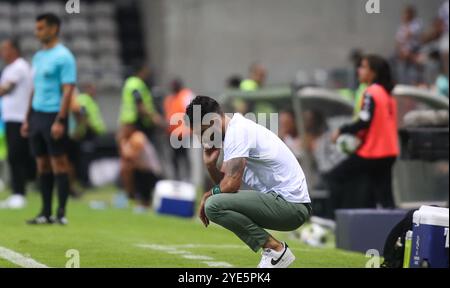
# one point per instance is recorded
(137, 111)
(89, 122)
(440, 85)
(175, 107)
(440, 32)
(364, 179)
(408, 44)
(137, 102)
(15, 92)
(139, 158)
(315, 126)
(356, 57)
(288, 132)
(234, 82)
(430, 57)
(256, 80)
(444, 44)
(86, 125)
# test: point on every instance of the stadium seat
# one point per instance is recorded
(29, 45)
(6, 10)
(108, 44)
(104, 26)
(6, 28)
(110, 80)
(86, 64)
(110, 63)
(85, 77)
(53, 7)
(81, 45)
(78, 27)
(103, 9)
(27, 10)
(25, 26)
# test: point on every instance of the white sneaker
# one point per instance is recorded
(15, 201)
(273, 259)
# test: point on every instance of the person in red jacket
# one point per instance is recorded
(366, 174)
(174, 110)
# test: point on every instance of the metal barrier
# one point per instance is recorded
(420, 180)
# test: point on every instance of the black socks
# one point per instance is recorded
(63, 186)
(46, 187)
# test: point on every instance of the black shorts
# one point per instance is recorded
(41, 141)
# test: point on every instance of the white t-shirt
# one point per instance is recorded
(271, 166)
(15, 103)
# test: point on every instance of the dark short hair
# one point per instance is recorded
(234, 81)
(14, 42)
(51, 19)
(176, 85)
(411, 9)
(207, 105)
(288, 111)
(382, 69)
(137, 65)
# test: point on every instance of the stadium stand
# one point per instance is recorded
(93, 36)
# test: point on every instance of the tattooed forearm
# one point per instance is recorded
(215, 174)
(234, 169)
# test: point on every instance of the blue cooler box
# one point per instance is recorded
(174, 198)
(430, 238)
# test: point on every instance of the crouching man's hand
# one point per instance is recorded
(201, 212)
(210, 156)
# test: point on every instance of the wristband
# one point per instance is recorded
(216, 190)
(61, 120)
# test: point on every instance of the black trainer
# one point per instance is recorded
(60, 220)
(40, 220)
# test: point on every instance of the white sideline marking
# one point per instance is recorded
(217, 264)
(19, 259)
(172, 249)
(197, 257)
(179, 252)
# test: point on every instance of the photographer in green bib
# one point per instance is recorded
(85, 126)
(137, 107)
(137, 113)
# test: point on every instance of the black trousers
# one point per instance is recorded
(145, 182)
(361, 183)
(80, 153)
(178, 155)
(21, 164)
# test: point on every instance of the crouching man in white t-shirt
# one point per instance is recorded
(256, 158)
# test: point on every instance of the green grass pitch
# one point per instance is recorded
(111, 238)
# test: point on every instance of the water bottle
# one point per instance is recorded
(408, 244)
(97, 205)
(120, 200)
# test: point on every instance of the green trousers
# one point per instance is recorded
(248, 213)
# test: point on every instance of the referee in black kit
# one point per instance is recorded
(54, 79)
